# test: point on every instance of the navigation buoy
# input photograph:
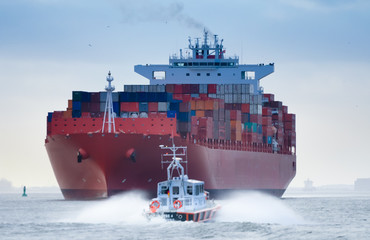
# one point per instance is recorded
(24, 192)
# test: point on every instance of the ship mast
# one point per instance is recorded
(109, 107)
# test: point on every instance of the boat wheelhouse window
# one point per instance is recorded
(189, 190)
(175, 190)
(164, 190)
(160, 75)
(197, 190)
(208, 74)
(187, 74)
(198, 74)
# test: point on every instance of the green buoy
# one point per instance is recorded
(24, 192)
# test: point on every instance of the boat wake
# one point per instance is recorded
(257, 208)
(126, 208)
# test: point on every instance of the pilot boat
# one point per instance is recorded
(180, 198)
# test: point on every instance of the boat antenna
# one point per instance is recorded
(109, 107)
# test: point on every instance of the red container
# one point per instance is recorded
(95, 107)
(266, 111)
(289, 126)
(186, 88)
(235, 115)
(289, 117)
(186, 97)
(266, 121)
(85, 107)
(95, 97)
(152, 106)
(178, 88)
(245, 107)
(203, 96)
(270, 97)
(177, 96)
(212, 88)
(125, 106)
(133, 107)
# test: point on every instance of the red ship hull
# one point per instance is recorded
(109, 166)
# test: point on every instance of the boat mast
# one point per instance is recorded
(109, 106)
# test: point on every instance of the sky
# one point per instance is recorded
(49, 48)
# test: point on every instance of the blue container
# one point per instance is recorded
(168, 97)
(133, 97)
(50, 116)
(269, 140)
(171, 114)
(76, 96)
(184, 116)
(76, 105)
(259, 129)
(116, 108)
(175, 106)
(193, 113)
(143, 96)
(143, 107)
(86, 97)
(152, 97)
(123, 96)
(76, 113)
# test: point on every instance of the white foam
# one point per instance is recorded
(257, 208)
(125, 208)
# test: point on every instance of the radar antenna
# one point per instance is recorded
(109, 107)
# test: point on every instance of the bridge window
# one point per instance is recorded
(248, 75)
(160, 75)
(188, 74)
(208, 74)
(198, 74)
(175, 190)
(189, 190)
(218, 74)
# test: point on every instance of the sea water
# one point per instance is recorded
(243, 216)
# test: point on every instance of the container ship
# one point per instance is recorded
(238, 138)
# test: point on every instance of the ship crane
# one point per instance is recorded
(108, 112)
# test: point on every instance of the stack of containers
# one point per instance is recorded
(80, 103)
(289, 128)
(267, 128)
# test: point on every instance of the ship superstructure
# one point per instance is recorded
(239, 137)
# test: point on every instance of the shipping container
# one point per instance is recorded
(171, 114)
(163, 106)
(76, 105)
(152, 106)
(143, 107)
